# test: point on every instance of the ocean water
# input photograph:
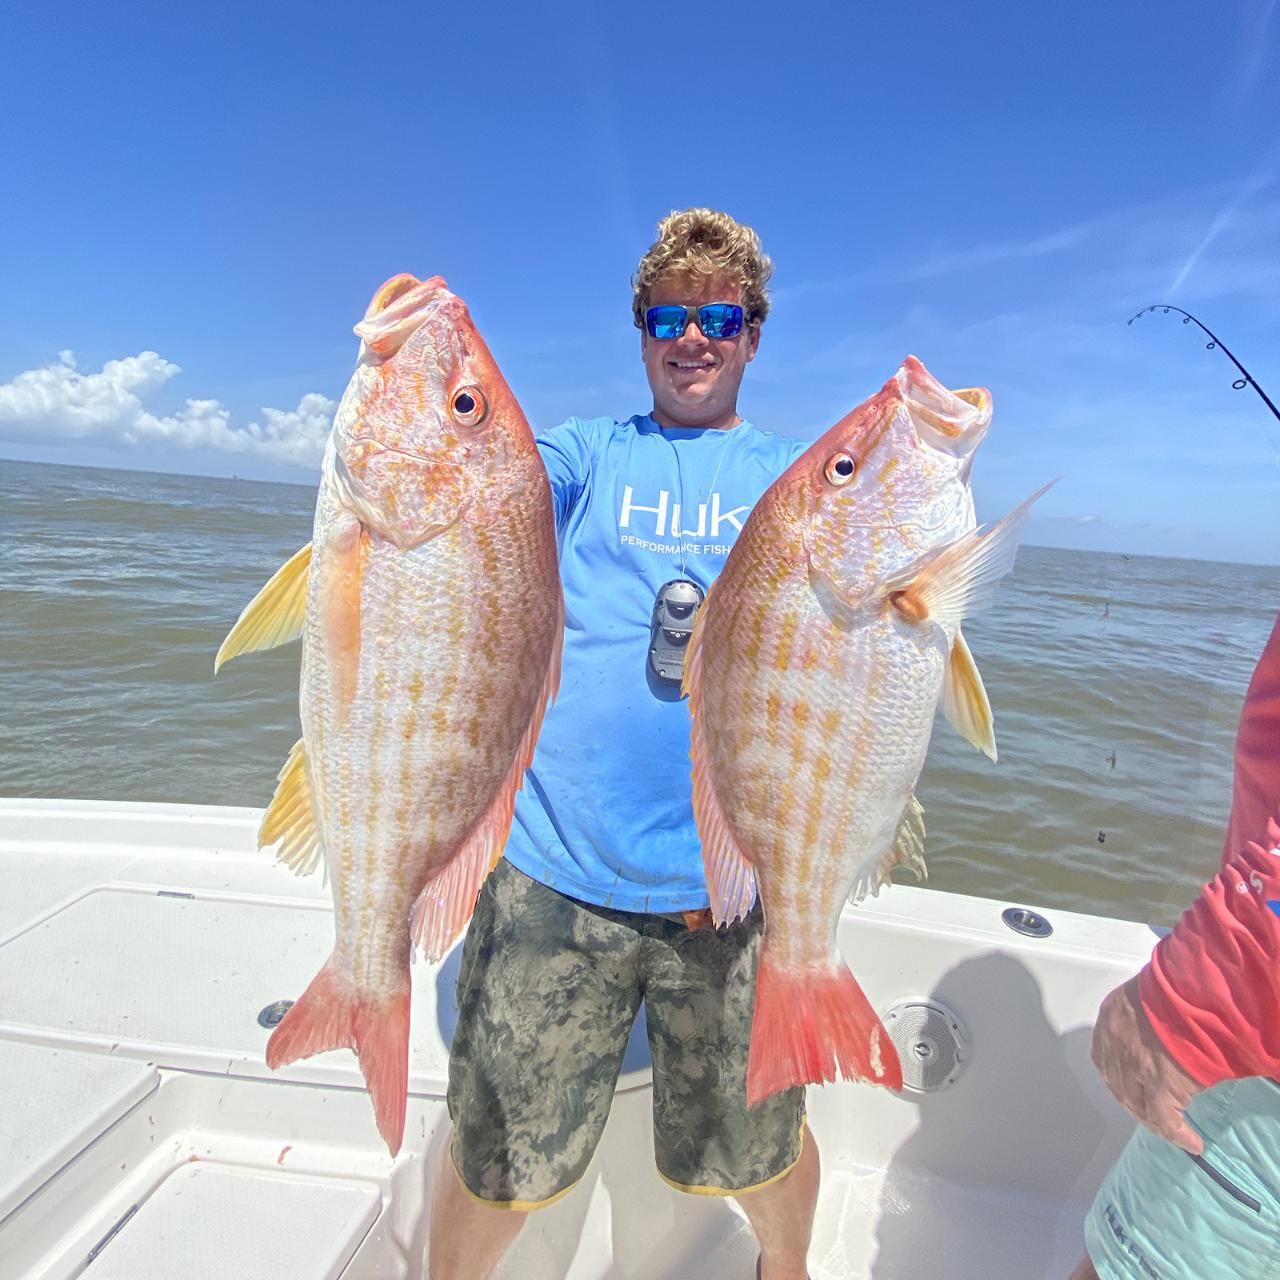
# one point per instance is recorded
(1116, 683)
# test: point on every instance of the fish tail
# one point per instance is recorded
(332, 1015)
(809, 1023)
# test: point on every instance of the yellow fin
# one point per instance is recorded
(290, 818)
(275, 615)
(965, 702)
(907, 850)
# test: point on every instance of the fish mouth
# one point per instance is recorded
(955, 420)
(398, 310)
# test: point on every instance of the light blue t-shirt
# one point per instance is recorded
(606, 812)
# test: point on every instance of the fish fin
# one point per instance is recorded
(447, 900)
(810, 1024)
(949, 584)
(965, 702)
(693, 651)
(731, 880)
(275, 615)
(907, 850)
(290, 817)
(330, 1015)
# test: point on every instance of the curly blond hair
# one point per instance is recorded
(705, 243)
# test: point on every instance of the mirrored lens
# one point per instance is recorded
(720, 320)
(665, 322)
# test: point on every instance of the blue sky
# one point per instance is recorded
(200, 201)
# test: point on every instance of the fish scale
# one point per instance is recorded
(404, 815)
(815, 669)
(432, 624)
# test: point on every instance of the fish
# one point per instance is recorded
(816, 665)
(432, 617)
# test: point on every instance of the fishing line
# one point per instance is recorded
(679, 489)
(676, 603)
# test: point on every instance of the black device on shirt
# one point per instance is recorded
(674, 609)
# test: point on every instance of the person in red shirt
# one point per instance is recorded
(1190, 1046)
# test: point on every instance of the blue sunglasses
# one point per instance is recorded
(715, 319)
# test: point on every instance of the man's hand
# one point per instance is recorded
(1140, 1071)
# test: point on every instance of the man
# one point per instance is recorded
(1191, 1047)
(602, 887)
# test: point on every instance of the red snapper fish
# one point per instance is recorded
(816, 665)
(431, 616)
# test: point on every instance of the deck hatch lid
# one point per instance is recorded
(209, 1221)
(67, 1098)
(180, 981)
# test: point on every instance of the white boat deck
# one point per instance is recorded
(146, 1138)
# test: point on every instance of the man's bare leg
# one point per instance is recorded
(1084, 1271)
(781, 1215)
(467, 1237)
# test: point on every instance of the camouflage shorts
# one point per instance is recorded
(547, 993)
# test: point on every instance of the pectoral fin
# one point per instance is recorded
(290, 818)
(947, 586)
(275, 615)
(965, 702)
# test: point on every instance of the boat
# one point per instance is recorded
(147, 949)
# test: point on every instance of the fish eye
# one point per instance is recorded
(840, 469)
(468, 406)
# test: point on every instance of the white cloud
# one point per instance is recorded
(61, 401)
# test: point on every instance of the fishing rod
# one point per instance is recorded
(1246, 379)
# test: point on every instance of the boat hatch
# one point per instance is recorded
(207, 1221)
(182, 979)
(67, 1100)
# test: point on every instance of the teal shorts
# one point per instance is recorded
(1162, 1214)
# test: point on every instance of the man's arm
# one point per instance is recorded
(1212, 989)
(1140, 1072)
(566, 453)
(1207, 1006)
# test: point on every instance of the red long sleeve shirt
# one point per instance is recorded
(1212, 988)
